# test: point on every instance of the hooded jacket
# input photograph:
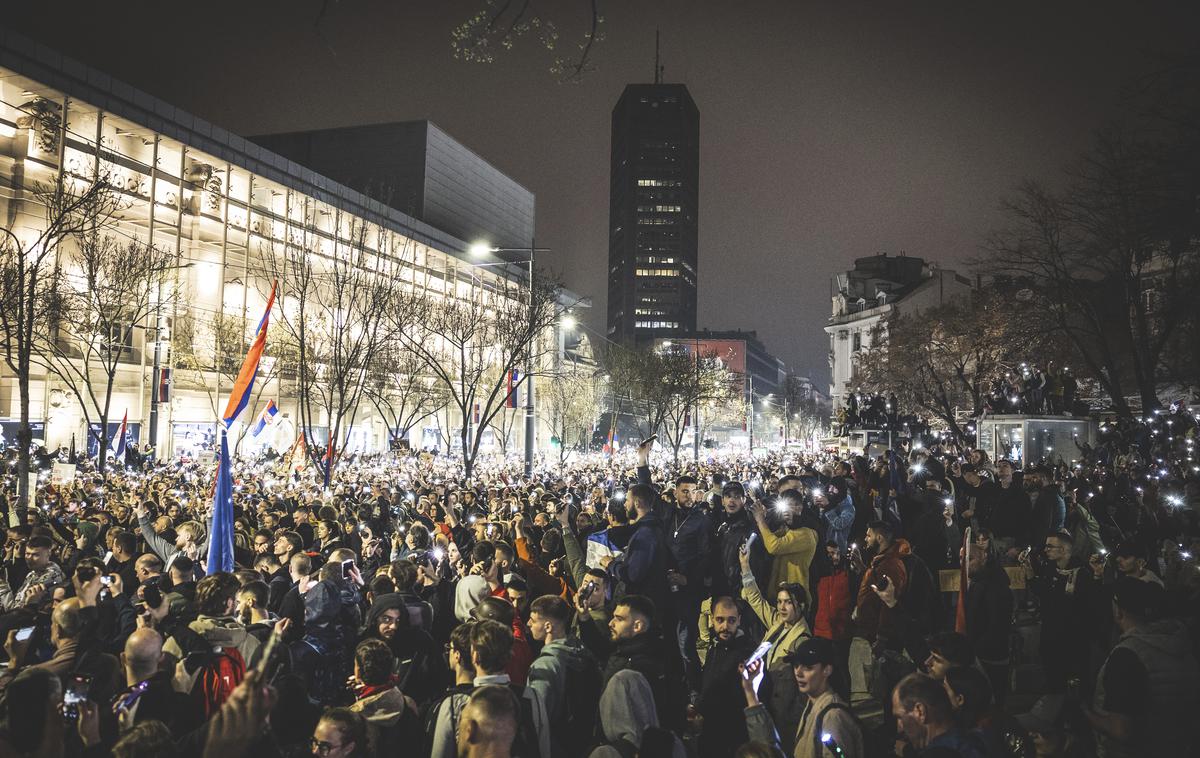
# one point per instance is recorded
(392, 724)
(548, 677)
(657, 659)
(420, 666)
(627, 709)
(216, 632)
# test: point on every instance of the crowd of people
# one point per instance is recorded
(927, 602)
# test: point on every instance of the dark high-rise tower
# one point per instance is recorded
(653, 213)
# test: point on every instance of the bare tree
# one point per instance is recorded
(945, 359)
(28, 254)
(335, 311)
(499, 24)
(573, 406)
(1090, 253)
(472, 345)
(103, 288)
(401, 390)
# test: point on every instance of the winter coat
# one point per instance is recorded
(732, 533)
(392, 723)
(627, 709)
(835, 601)
(420, 666)
(792, 552)
(989, 611)
(840, 519)
(873, 619)
(643, 565)
(657, 659)
(782, 697)
(548, 677)
(721, 696)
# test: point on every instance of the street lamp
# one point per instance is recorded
(481, 250)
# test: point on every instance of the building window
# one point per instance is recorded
(657, 272)
(857, 341)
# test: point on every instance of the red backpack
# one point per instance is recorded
(212, 673)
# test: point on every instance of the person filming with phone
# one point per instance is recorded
(876, 623)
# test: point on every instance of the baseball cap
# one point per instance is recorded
(813, 651)
(733, 488)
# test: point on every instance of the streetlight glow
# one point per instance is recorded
(480, 250)
(568, 322)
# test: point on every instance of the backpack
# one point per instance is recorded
(212, 673)
(526, 744)
(581, 704)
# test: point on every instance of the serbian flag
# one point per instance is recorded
(244, 385)
(960, 614)
(475, 414)
(118, 440)
(514, 378)
(264, 418)
(220, 540)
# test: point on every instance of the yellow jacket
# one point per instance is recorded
(793, 551)
(785, 640)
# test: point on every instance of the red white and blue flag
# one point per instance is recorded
(475, 414)
(514, 380)
(239, 398)
(265, 418)
(118, 440)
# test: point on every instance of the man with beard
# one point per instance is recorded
(733, 533)
(976, 497)
(643, 565)
(639, 645)
(688, 531)
(420, 670)
(876, 624)
(724, 726)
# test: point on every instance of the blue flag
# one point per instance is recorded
(220, 540)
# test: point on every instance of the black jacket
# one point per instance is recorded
(989, 614)
(731, 534)
(643, 567)
(721, 700)
(657, 659)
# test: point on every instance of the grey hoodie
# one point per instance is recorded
(626, 711)
(548, 677)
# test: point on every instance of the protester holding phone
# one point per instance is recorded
(877, 625)
(786, 630)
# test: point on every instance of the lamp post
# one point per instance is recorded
(482, 250)
(160, 334)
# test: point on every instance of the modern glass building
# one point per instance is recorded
(215, 200)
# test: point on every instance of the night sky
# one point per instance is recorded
(829, 130)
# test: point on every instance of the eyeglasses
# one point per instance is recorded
(322, 748)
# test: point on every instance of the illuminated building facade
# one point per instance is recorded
(215, 200)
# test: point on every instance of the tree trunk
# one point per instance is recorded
(24, 441)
